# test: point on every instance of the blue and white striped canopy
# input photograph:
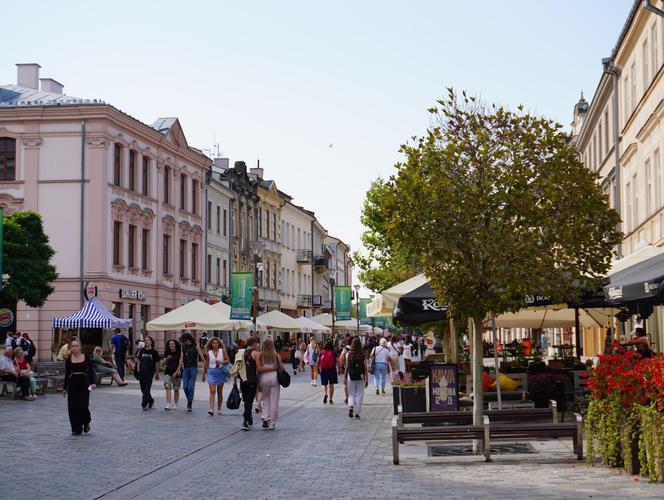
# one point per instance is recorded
(93, 315)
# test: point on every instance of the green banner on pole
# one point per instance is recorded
(342, 303)
(242, 285)
(363, 311)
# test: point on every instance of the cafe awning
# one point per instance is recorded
(642, 281)
(93, 315)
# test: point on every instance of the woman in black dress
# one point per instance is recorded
(147, 361)
(80, 379)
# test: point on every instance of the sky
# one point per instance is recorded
(323, 93)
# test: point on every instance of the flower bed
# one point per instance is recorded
(625, 421)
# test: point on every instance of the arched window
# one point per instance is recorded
(7, 159)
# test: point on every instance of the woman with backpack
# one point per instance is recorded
(357, 376)
(328, 370)
(380, 356)
(311, 358)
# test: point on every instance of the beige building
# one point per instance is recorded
(620, 135)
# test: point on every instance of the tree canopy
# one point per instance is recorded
(494, 205)
(26, 259)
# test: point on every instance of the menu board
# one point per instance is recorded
(444, 387)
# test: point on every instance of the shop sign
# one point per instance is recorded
(127, 293)
(90, 290)
(444, 388)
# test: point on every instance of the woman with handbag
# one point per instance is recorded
(268, 364)
(312, 360)
(218, 372)
(80, 379)
(379, 360)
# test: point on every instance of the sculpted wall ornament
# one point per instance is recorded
(99, 141)
(135, 214)
(119, 209)
(147, 217)
(168, 223)
(31, 142)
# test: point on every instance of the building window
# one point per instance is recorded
(606, 130)
(267, 223)
(654, 54)
(219, 219)
(131, 246)
(145, 176)
(645, 55)
(145, 245)
(117, 239)
(167, 185)
(225, 222)
(225, 273)
(626, 94)
(633, 89)
(183, 254)
(166, 254)
(635, 202)
(117, 164)
(628, 212)
(649, 190)
(194, 196)
(218, 271)
(658, 180)
(194, 261)
(132, 170)
(209, 216)
(183, 192)
(7, 159)
(208, 270)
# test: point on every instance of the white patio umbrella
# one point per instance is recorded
(324, 319)
(554, 317)
(310, 325)
(383, 304)
(195, 315)
(236, 324)
(279, 321)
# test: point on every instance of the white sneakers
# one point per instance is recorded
(174, 407)
(167, 407)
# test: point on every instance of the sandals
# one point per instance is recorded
(211, 413)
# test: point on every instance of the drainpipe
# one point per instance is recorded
(82, 247)
(614, 72)
(650, 7)
(312, 267)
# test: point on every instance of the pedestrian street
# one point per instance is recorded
(316, 450)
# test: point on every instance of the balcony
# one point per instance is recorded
(321, 264)
(304, 256)
(303, 300)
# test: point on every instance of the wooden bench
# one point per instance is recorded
(538, 431)
(50, 371)
(402, 434)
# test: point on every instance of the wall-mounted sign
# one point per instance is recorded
(318, 300)
(127, 293)
(90, 290)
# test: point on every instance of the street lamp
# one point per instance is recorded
(331, 277)
(257, 250)
(357, 306)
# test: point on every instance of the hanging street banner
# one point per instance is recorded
(242, 285)
(342, 303)
(364, 318)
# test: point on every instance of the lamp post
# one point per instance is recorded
(357, 307)
(331, 276)
(257, 249)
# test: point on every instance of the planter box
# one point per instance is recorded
(413, 399)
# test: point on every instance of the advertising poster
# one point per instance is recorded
(342, 303)
(444, 387)
(242, 285)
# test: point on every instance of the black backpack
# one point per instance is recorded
(356, 369)
(124, 345)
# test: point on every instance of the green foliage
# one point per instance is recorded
(651, 443)
(383, 266)
(629, 436)
(26, 259)
(602, 428)
(494, 205)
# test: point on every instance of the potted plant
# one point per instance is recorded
(410, 394)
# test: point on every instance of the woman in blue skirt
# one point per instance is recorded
(218, 372)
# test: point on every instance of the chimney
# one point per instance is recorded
(27, 75)
(258, 172)
(51, 85)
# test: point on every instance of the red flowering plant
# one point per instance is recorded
(633, 379)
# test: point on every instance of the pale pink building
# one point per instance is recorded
(143, 202)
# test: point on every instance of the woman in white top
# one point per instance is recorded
(312, 360)
(218, 372)
(397, 363)
(380, 355)
(268, 364)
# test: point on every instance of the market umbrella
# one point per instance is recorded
(419, 306)
(195, 315)
(554, 316)
(310, 325)
(279, 321)
(235, 324)
(384, 303)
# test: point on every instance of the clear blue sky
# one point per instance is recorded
(281, 81)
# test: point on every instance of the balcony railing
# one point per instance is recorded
(304, 256)
(321, 264)
(304, 300)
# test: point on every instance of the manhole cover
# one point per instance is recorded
(496, 449)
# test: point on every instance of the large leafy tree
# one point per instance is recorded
(494, 205)
(26, 259)
(382, 266)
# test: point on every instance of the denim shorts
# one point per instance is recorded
(171, 382)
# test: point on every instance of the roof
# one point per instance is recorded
(13, 95)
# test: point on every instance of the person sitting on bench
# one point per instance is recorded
(103, 367)
(10, 372)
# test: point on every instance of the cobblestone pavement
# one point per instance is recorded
(316, 451)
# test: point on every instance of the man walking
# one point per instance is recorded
(120, 344)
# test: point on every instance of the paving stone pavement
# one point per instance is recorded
(316, 451)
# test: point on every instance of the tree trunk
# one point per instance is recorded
(451, 343)
(477, 366)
